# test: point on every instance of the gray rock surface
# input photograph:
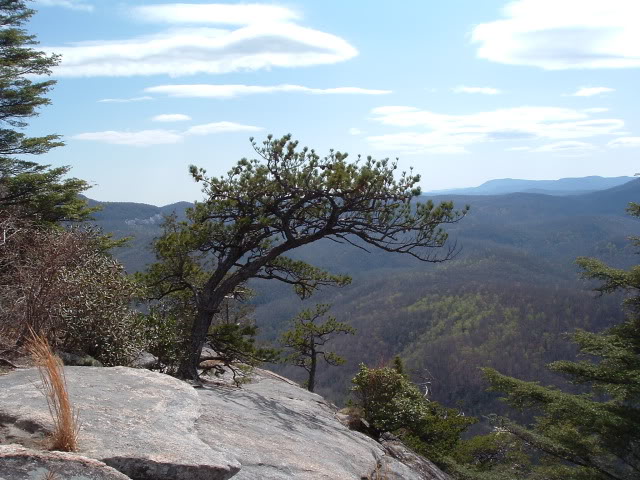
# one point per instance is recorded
(415, 463)
(145, 360)
(19, 463)
(151, 426)
(280, 431)
(139, 422)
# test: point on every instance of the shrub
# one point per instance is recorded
(391, 402)
(60, 283)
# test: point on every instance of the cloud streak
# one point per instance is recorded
(577, 34)
(592, 91)
(214, 13)
(231, 91)
(221, 127)
(125, 100)
(147, 138)
(442, 133)
(256, 37)
(143, 138)
(171, 117)
(481, 90)
(625, 142)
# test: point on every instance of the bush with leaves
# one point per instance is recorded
(390, 402)
(60, 283)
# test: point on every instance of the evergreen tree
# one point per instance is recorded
(307, 339)
(286, 199)
(596, 435)
(28, 189)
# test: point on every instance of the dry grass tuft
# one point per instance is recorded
(50, 476)
(65, 419)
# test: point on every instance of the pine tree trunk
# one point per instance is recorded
(188, 368)
(311, 384)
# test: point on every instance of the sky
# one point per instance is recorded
(462, 91)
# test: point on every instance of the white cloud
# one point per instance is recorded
(230, 91)
(595, 110)
(442, 133)
(214, 13)
(591, 91)
(72, 4)
(144, 138)
(557, 35)
(568, 147)
(518, 149)
(625, 142)
(221, 127)
(261, 41)
(125, 100)
(171, 117)
(482, 90)
(355, 131)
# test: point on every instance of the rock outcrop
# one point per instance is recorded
(19, 463)
(151, 426)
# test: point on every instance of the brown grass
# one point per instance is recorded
(50, 476)
(54, 385)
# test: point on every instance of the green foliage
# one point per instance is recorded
(597, 433)
(306, 340)
(30, 190)
(235, 343)
(499, 455)
(391, 402)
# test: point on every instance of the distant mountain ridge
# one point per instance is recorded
(562, 186)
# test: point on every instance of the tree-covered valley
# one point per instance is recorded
(506, 300)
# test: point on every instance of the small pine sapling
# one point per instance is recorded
(307, 337)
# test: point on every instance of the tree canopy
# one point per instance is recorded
(287, 198)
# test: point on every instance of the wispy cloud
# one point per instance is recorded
(591, 91)
(569, 148)
(214, 13)
(257, 37)
(147, 138)
(628, 142)
(71, 4)
(230, 91)
(561, 35)
(171, 117)
(144, 138)
(442, 133)
(125, 100)
(481, 90)
(221, 127)
(595, 110)
(355, 131)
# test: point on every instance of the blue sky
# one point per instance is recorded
(461, 90)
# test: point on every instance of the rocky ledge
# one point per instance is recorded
(149, 426)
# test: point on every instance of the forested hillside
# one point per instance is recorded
(505, 301)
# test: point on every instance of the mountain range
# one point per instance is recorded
(563, 186)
